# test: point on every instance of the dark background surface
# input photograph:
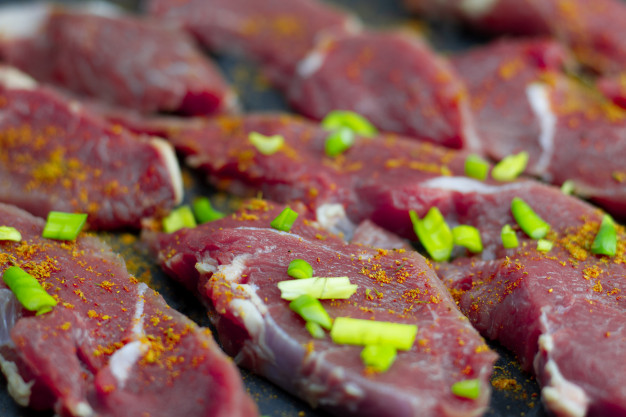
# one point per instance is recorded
(515, 393)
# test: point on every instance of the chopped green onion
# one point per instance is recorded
(568, 187)
(533, 225)
(470, 388)
(322, 288)
(337, 119)
(476, 167)
(434, 234)
(349, 331)
(28, 290)
(315, 330)
(378, 357)
(311, 310)
(544, 245)
(469, 237)
(204, 212)
(605, 242)
(508, 236)
(284, 220)
(178, 219)
(10, 233)
(299, 268)
(338, 142)
(510, 167)
(267, 145)
(63, 226)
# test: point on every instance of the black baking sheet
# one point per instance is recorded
(515, 393)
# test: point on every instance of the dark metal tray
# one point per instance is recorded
(515, 393)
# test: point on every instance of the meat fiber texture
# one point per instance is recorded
(275, 33)
(393, 79)
(561, 312)
(234, 264)
(99, 52)
(111, 346)
(523, 102)
(57, 156)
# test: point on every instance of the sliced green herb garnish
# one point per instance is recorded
(178, 219)
(28, 290)
(468, 237)
(285, 220)
(605, 242)
(378, 357)
(204, 211)
(299, 268)
(533, 225)
(267, 145)
(338, 142)
(349, 331)
(63, 226)
(509, 237)
(10, 233)
(311, 310)
(544, 245)
(510, 167)
(315, 330)
(318, 287)
(470, 388)
(434, 234)
(338, 119)
(476, 167)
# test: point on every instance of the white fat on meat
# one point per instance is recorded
(13, 78)
(332, 217)
(23, 20)
(475, 9)
(473, 142)
(99, 8)
(539, 100)
(171, 163)
(469, 185)
(19, 389)
(311, 63)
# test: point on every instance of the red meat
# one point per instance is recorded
(111, 346)
(235, 263)
(122, 60)
(57, 156)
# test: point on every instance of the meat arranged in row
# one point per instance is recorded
(98, 52)
(58, 156)
(111, 346)
(235, 265)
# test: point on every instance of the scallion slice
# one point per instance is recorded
(509, 237)
(434, 234)
(510, 167)
(470, 388)
(63, 226)
(476, 167)
(533, 225)
(605, 242)
(318, 287)
(28, 290)
(285, 220)
(311, 310)
(379, 357)
(300, 269)
(338, 142)
(469, 237)
(349, 331)
(10, 233)
(204, 212)
(544, 245)
(568, 187)
(315, 330)
(338, 119)
(267, 145)
(178, 219)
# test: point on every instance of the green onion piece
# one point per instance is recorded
(434, 234)
(204, 212)
(510, 167)
(311, 310)
(63, 226)
(10, 233)
(315, 330)
(267, 145)
(508, 236)
(605, 242)
(284, 220)
(544, 245)
(318, 287)
(338, 119)
(379, 357)
(476, 167)
(179, 218)
(299, 268)
(470, 388)
(28, 290)
(349, 331)
(338, 142)
(568, 187)
(528, 220)
(469, 237)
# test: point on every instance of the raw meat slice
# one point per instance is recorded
(275, 33)
(522, 101)
(120, 59)
(392, 79)
(57, 156)
(234, 265)
(111, 346)
(614, 88)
